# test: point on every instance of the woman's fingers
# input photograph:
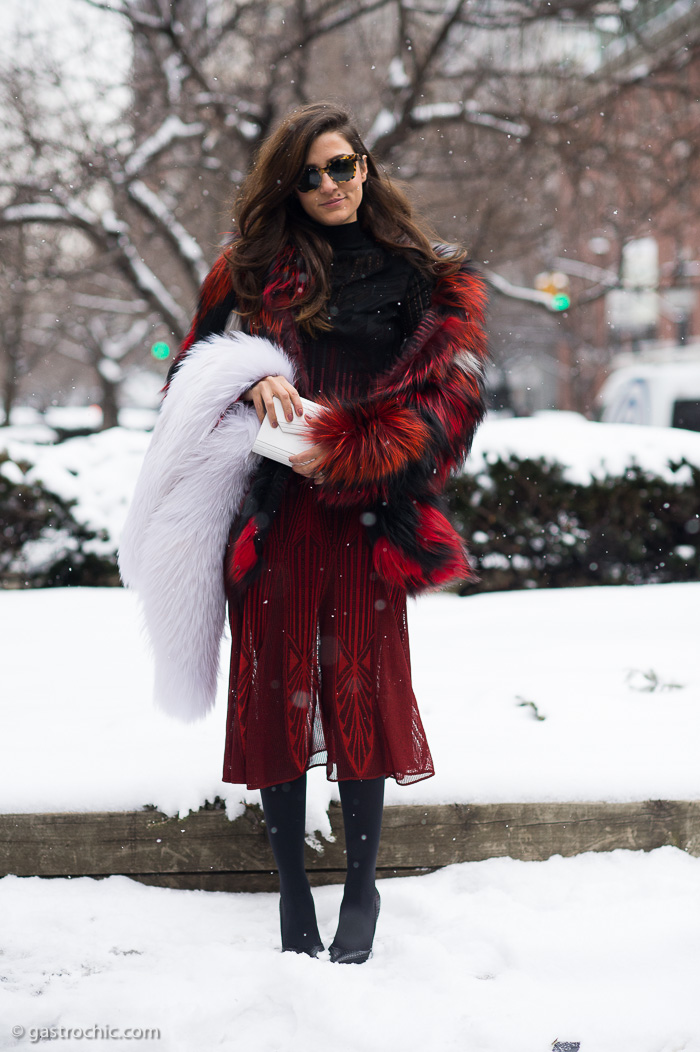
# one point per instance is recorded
(294, 397)
(309, 462)
(258, 405)
(277, 387)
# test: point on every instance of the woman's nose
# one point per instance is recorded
(327, 185)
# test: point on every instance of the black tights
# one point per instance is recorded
(285, 816)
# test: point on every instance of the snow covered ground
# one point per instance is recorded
(495, 956)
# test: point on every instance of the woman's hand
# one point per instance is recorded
(262, 393)
(309, 462)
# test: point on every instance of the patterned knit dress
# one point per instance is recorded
(320, 669)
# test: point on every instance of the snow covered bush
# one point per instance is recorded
(529, 526)
(42, 543)
(625, 509)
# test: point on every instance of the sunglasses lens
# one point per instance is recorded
(342, 169)
(310, 180)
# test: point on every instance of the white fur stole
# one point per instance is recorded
(191, 485)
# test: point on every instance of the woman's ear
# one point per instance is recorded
(363, 166)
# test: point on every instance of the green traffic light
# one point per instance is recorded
(560, 301)
(160, 350)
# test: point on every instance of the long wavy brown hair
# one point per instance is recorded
(269, 217)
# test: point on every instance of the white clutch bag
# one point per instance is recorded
(279, 443)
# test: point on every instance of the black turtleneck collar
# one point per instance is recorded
(345, 235)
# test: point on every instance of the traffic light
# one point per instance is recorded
(556, 285)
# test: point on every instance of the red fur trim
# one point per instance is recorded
(447, 337)
(368, 442)
(435, 532)
(216, 287)
(396, 568)
(465, 290)
(457, 405)
(244, 555)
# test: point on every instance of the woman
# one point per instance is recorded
(339, 296)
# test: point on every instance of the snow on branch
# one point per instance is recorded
(109, 232)
(141, 275)
(518, 292)
(171, 130)
(589, 271)
(454, 110)
(176, 73)
(398, 78)
(107, 304)
(36, 212)
(69, 211)
(172, 228)
(247, 129)
(147, 282)
(117, 347)
(386, 122)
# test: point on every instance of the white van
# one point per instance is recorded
(660, 387)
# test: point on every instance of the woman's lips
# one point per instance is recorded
(331, 204)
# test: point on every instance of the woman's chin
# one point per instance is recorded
(336, 217)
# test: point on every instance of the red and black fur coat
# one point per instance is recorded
(390, 454)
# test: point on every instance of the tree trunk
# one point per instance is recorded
(110, 403)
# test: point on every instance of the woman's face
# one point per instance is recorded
(333, 203)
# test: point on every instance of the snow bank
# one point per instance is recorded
(585, 448)
(100, 471)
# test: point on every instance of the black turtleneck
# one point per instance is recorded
(377, 299)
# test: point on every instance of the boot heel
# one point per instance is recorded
(342, 956)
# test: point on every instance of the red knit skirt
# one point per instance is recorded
(320, 666)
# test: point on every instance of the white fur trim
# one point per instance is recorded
(190, 487)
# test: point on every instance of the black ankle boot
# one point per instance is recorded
(362, 802)
(298, 937)
(355, 935)
(285, 817)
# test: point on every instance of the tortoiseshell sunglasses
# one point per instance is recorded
(340, 169)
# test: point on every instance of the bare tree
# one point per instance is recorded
(486, 109)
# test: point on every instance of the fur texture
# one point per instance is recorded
(368, 442)
(391, 453)
(193, 480)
